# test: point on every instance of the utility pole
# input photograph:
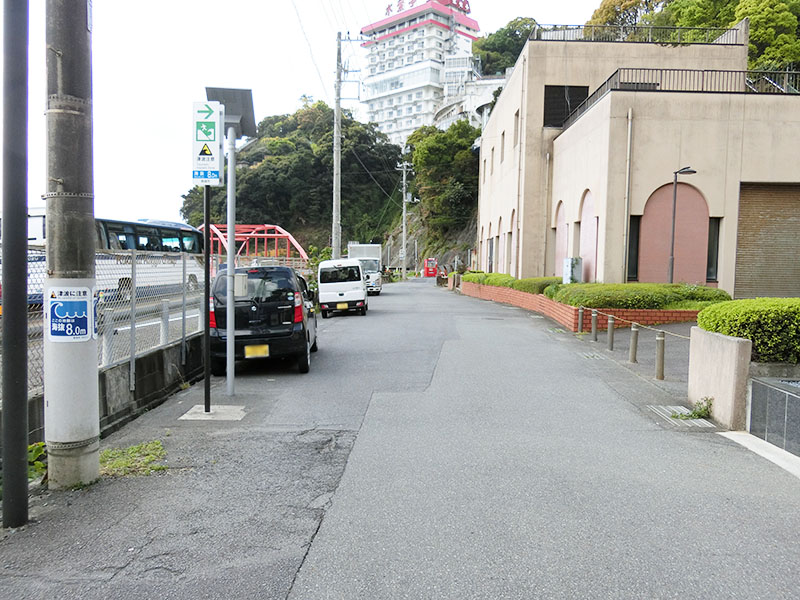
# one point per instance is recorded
(15, 264)
(404, 168)
(72, 416)
(336, 233)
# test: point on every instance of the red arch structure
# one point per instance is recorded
(257, 241)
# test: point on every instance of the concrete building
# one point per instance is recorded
(579, 159)
(405, 82)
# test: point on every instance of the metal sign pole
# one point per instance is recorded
(230, 305)
(206, 297)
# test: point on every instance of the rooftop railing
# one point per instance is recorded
(693, 81)
(643, 34)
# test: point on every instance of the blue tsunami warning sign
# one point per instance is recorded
(69, 312)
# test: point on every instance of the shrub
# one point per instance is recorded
(499, 280)
(635, 295)
(534, 285)
(476, 277)
(772, 324)
(551, 290)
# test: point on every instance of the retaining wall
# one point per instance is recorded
(159, 374)
(568, 315)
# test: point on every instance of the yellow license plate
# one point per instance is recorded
(261, 351)
(341, 305)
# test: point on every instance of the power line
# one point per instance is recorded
(311, 52)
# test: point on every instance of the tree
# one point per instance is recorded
(624, 13)
(446, 178)
(285, 177)
(500, 50)
(773, 32)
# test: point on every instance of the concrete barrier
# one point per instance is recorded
(719, 368)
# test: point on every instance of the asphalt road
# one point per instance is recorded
(440, 447)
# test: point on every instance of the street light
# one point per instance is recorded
(683, 171)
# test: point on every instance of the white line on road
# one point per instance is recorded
(785, 460)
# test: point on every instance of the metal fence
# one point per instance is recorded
(146, 300)
(636, 34)
(693, 81)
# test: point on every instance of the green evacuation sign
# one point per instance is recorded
(205, 131)
(207, 160)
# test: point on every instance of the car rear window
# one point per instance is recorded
(263, 286)
(339, 274)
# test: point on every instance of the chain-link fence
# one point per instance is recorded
(146, 300)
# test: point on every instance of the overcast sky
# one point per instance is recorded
(153, 59)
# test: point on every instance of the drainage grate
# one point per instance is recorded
(666, 412)
(593, 356)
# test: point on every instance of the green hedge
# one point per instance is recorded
(534, 285)
(772, 324)
(632, 295)
(474, 277)
(499, 280)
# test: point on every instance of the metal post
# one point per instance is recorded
(107, 341)
(164, 322)
(594, 325)
(634, 343)
(336, 231)
(230, 342)
(660, 355)
(671, 265)
(15, 264)
(206, 296)
(183, 311)
(580, 319)
(72, 415)
(132, 336)
(610, 332)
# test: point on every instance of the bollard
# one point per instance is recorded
(164, 322)
(634, 343)
(580, 319)
(610, 332)
(594, 325)
(660, 355)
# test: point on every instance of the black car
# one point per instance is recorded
(274, 317)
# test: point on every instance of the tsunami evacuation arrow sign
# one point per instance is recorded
(207, 137)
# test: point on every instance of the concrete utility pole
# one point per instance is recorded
(15, 263)
(72, 419)
(336, 233)
(404, 168)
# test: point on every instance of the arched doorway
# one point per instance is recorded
(691, 236)
(588, 241)
(561, 239)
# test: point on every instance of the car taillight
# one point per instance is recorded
(212, 317)
(298, 308)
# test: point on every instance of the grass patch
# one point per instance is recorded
(134, 460)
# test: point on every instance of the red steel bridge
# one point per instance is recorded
(259, 243)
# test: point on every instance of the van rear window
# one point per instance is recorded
(339, 274)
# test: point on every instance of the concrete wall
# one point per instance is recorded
(158, 375)
(718, 368)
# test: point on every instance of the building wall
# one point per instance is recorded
(727, 138)
(572, 63)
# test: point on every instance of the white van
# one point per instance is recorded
(342, 286)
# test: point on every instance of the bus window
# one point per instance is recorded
(147, 238)
(120, 236)
(191, 242)
(170, 240)
(100, 235)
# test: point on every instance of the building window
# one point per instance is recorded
(516, 128)
(633, 247)
(419, 94)
(560, 101)
(713, 248)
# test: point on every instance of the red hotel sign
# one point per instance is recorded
(462, 5)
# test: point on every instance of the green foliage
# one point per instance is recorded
(773, 32)
(551, 290)
(624, 12)
(285, 178)
(499, 280)
(474, 277)
(446, 176)
(37, 460)
(534, 285)
(772, 324)
(316, 256)
(134, 460)
(701, 410)
(499, 50)
(634, 295)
